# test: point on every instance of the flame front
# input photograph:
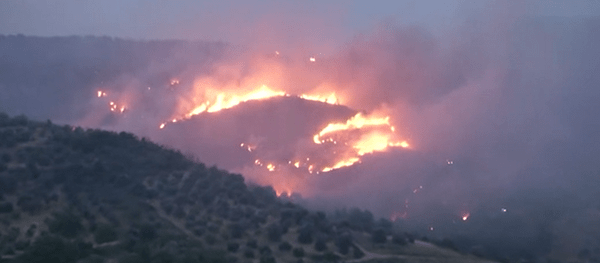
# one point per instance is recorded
(224, 100)
(375, 135)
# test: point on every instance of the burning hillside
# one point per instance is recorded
(237, 118)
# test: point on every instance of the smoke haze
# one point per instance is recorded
(499, 107)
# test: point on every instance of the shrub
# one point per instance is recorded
(298, 252)
(105, 233)
(285, 246)
(233, 247)
(320, 244)
(252, 243)
(357, 253)
(267, 259)
(6, 207)
(210, 239)
(66, 224)
(147, 232)
(379, 236)
(274, 232)
(249, 253)
(265, 250)
(21, 244)
(236, 231)
(399, 239)
(305, 235)
(51, 249)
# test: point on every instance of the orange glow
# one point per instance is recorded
(331, 99)
(465, 216)
(285, 193)
(101, 94)
(357, 122)
(174, 82)
(342, 163)
(114, 107)
(223, 100)
(372, 138)
(312, 59)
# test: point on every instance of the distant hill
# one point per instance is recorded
(74, 195)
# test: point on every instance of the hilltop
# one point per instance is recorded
(74, 195)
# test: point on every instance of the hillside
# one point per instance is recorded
(74, 195)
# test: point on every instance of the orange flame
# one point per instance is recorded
(372, 139)
(224, 100)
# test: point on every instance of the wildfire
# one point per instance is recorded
(342, 163)
(357, 122)
(214, 101)
(331, 99)
(223, 100)
(372, 138)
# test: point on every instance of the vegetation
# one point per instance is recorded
(75, 195)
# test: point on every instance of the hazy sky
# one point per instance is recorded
(239, 21)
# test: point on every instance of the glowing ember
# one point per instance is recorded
(101, 94)
(174, 82)
(465, 216)
(312, 59)
(114, 107)
(248, 147)
(270, 167)
(284, 193)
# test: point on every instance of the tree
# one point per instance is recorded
(305, 235)
(274, 232)
(105, 233)
(6, 207)
(233, 247)
(51, 249)
(379, 236)
(320, 244)
(298, 252)
(399, 239)
(66, 224)
(343, 243)
(357, 253)
(285, 246)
